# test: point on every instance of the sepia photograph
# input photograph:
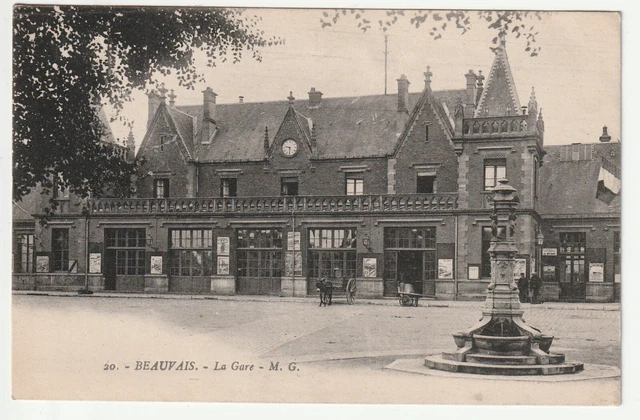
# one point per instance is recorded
(235, 203)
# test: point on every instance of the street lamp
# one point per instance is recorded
(540, 242)
(540, 238)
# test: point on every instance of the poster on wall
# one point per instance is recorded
(549, 252)
(520, 267)
(369, 267)
(445, 268)
(288, 264)
(297, 263)
(596, 272)
(42, 264)
(95, 263)
(293, 241)
(156, 264)
(223, 265)
(474, 272)
(293, 264)
(222, 245)
(549, 272)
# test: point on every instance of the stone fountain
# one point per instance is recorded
(501, 343)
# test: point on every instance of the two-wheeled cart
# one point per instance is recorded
(336, 287)
(407, 295)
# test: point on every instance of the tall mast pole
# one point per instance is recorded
(386, 52)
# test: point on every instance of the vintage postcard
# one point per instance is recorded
(345, 206)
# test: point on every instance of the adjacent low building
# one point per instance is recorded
(266, 198)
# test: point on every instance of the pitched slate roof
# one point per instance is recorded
(184, 124)
(28, 205)
(499, 96)
(239, 130)
(363, 126)
(351, 127)
(568, 187)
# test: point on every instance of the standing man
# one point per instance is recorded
(535, 284)
(523, 288)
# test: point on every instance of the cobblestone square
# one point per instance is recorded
(69, 347)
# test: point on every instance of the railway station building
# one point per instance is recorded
(266, 198)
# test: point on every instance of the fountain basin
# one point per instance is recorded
(506, 345)
(460, 339)
(544, 342)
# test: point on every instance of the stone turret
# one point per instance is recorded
(533, 110)
(130, 144)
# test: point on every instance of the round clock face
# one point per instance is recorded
(289, 147)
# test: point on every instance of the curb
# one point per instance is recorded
(387, 301)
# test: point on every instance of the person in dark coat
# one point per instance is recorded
(523, 288)
(535, 284)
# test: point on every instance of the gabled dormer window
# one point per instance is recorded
(161, 188)
(355, 186)
(289, 186)
(228, 187)
(426, 184)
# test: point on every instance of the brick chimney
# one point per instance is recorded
(315, 98)
(155, 99)
(208, 114)
(472, 92)
(403, 94)
(605, 137)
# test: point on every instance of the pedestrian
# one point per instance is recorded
(535, 284)
(523, 288)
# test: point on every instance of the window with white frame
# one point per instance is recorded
(494, 170)
(161, 188)
(355, 186)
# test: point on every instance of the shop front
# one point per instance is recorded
(190, 260)
(259, 259)
(410, 258)
(331, 254)
(124, 259)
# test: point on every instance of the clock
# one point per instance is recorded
(289, 148)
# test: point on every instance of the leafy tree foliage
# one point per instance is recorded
(517, 23)
(68, 61)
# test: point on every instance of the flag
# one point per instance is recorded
(608, 186)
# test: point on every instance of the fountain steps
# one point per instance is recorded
(439, 363)
(497, 360)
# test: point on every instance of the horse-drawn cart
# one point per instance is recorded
(336, 286)
(407, 295)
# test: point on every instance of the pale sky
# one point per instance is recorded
(576, 76)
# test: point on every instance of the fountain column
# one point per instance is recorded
(501, 342)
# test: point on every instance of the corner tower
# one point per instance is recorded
(498, 140)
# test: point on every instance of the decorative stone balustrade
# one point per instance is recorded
(283, 205)
(484, 126)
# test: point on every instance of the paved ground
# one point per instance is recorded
(63, 344)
